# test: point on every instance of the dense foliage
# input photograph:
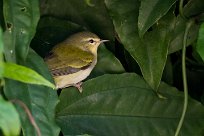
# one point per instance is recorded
(134, 88)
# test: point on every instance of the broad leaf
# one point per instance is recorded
(150, 12)
(9, 122)
(200, 42)
(21, 17)
(24, 74)
(40, 100)
(125, 105)
(149, 52)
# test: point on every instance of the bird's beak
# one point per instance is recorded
(102, 41)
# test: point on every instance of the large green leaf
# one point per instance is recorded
(151, 51)
(9, 122)
(21, 17)
(200, 42)
(125, 105)
(40, 100)
(150, 12)
(24, 74)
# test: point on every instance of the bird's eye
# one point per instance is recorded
(91, 41)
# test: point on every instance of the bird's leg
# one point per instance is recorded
(78, 86)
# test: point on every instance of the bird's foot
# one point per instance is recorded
(78, 86)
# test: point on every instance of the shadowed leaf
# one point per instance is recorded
(150, 12)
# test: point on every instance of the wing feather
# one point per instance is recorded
(63, 63)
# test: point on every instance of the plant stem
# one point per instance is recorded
(185, 86)
(181, 9)
(32, 120)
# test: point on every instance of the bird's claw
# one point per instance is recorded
(78, 86)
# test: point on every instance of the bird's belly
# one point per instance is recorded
(71, 79)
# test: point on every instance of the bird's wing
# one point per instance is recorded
(63, 63)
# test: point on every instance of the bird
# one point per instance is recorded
(71, 61)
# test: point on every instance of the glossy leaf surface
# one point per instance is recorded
(125, 105)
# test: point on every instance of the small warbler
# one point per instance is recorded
(72, 60)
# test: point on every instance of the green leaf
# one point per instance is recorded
(125, 105)
(21, 17)
(41, 100)
(10, 121)
(24, 74)
(149, 52)
(150, 12)
(200, 42)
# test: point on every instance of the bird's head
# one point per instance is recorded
(86, 41)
